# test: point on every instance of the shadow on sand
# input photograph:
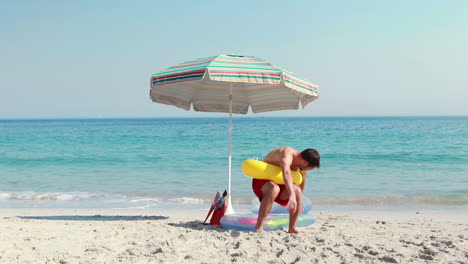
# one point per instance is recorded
(95, 217)
(198, 225)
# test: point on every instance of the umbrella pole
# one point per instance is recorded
(229, 209)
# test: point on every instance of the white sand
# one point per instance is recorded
(122, 236)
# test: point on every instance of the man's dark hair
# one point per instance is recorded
(312, 156)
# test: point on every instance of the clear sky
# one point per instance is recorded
(72, 59)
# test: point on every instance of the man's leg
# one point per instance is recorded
(270, 191)
(293, 216)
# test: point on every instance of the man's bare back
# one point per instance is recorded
(283, 154)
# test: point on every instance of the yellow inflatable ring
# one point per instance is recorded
(262, 170)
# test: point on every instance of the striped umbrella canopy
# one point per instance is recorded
(230, 84)
(206, 84)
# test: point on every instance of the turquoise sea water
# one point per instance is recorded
(374, 162)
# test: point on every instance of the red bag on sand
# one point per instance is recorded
(213, 205)
(218, 213)
(218, 207)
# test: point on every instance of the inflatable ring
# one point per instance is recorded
(273, 222)
(262, 170)
(279, 209)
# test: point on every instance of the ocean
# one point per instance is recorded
(367, 163)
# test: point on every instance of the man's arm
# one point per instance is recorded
(304, 178)
(302, 186)
(285, 165)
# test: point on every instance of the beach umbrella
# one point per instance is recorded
(230, 84)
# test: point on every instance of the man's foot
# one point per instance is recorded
(293, 231)
(258, 230)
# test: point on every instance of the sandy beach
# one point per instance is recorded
(123, 236)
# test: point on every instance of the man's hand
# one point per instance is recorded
(292, 205)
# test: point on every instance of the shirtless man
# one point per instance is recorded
(285, 194)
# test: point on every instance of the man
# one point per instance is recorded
(288, 193)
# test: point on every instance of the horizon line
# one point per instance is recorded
(234, 117)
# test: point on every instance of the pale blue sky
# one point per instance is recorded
(70, 59)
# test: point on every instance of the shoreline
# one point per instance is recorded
(89, 200)
(175, 236)
(242, 207)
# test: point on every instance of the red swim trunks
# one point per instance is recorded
(257, 185)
